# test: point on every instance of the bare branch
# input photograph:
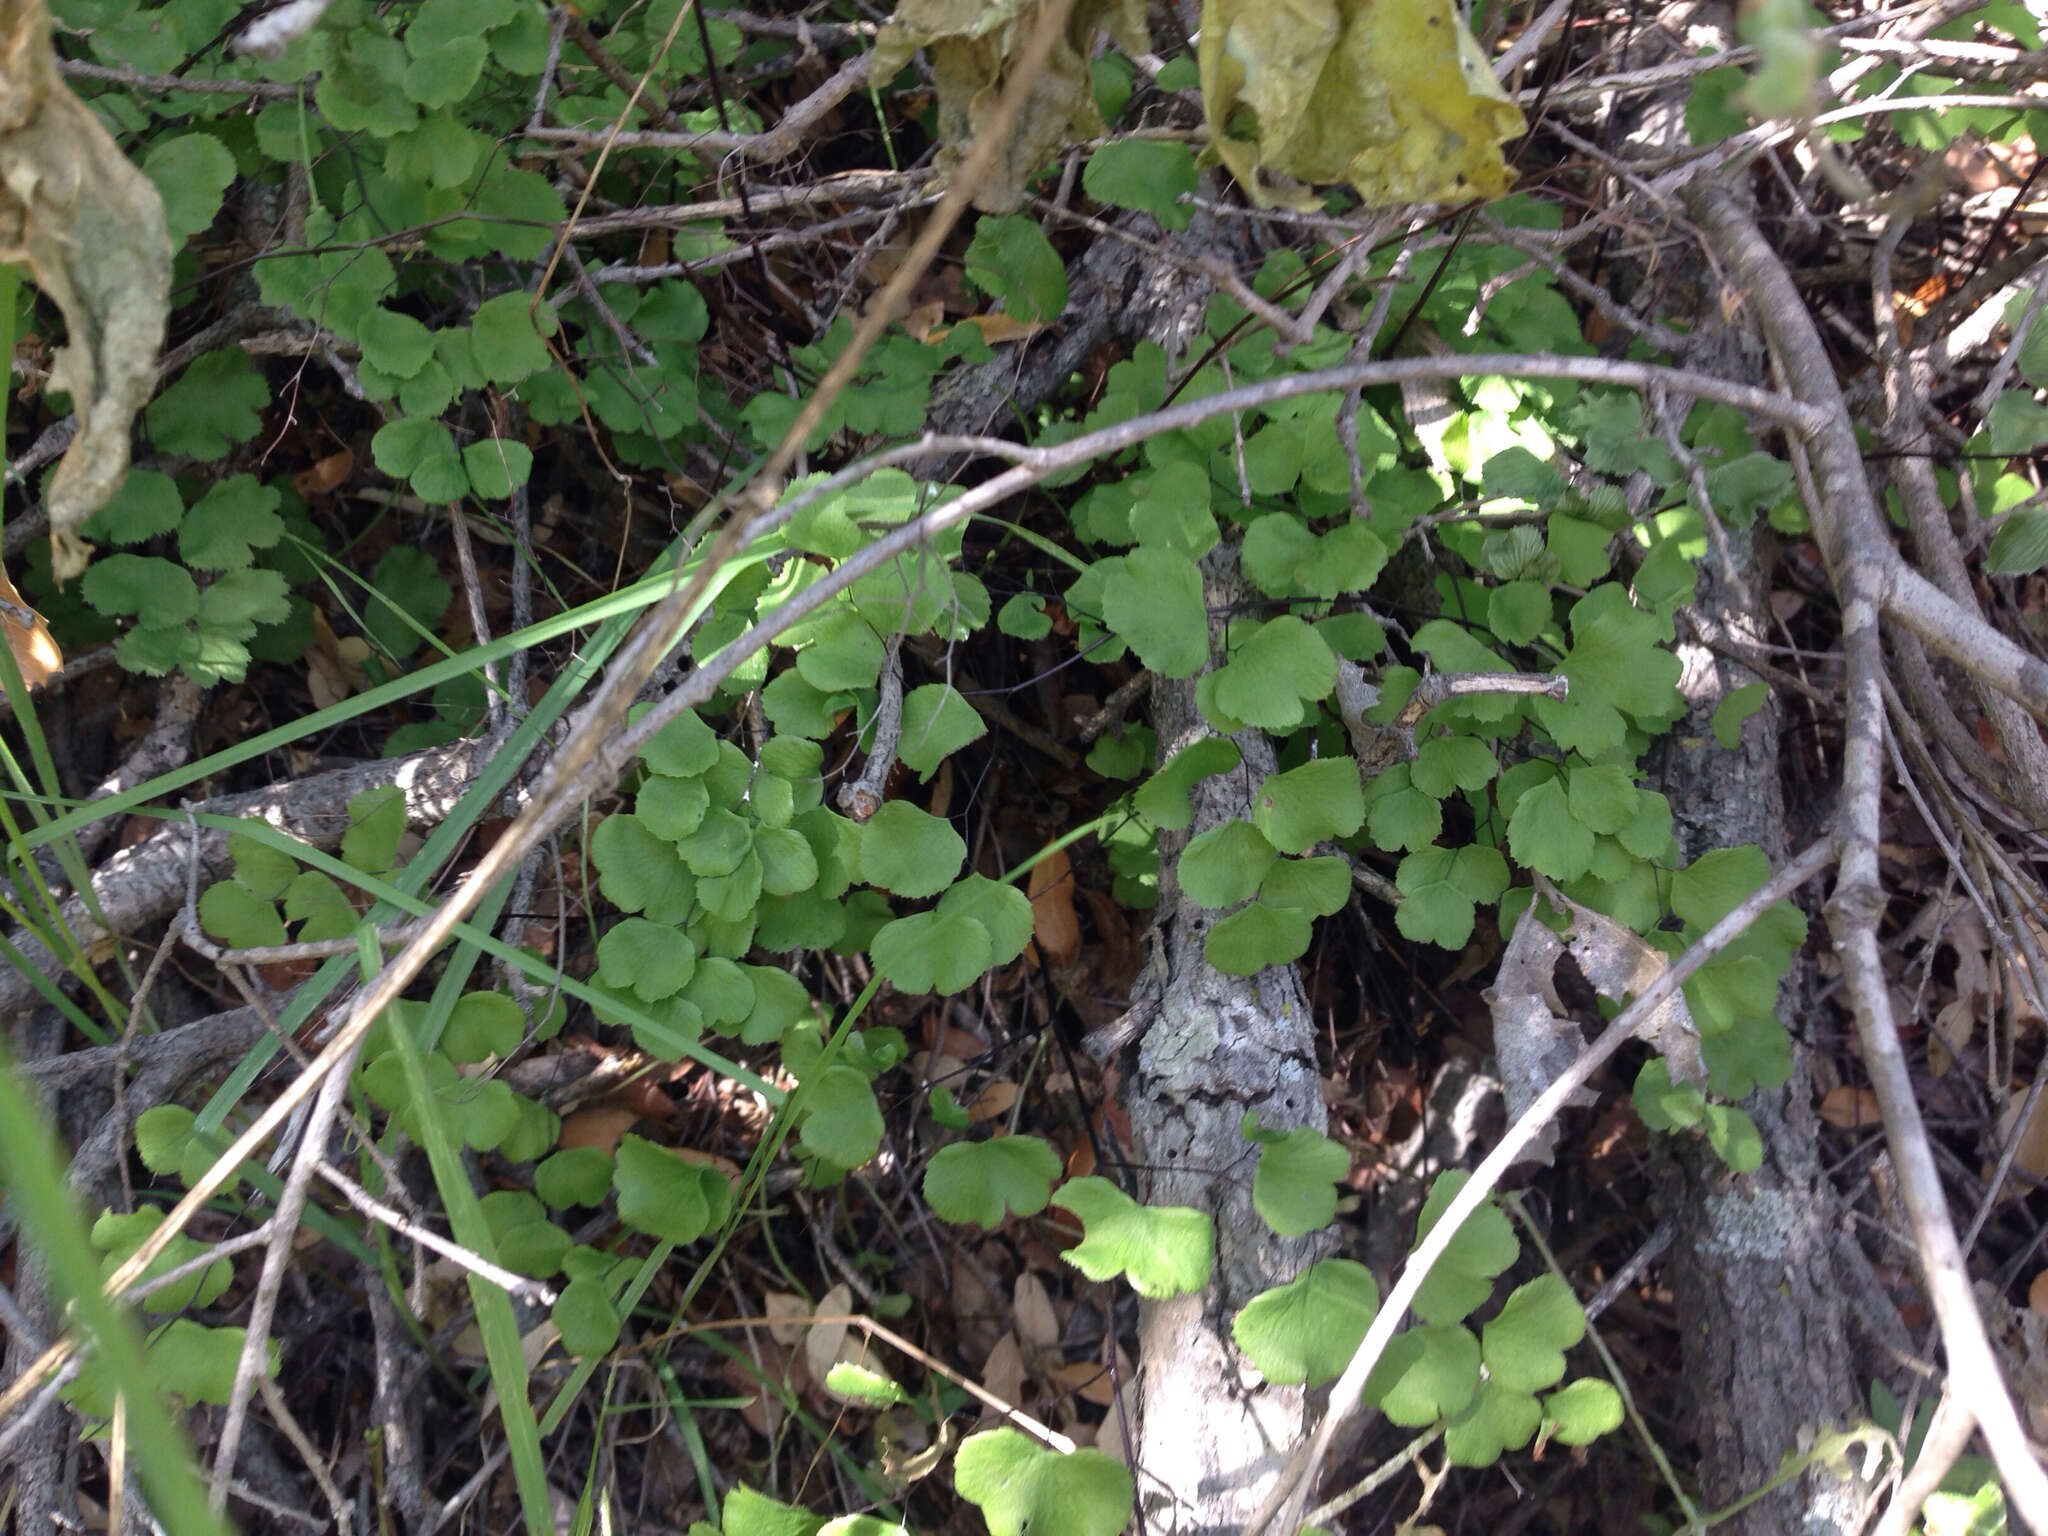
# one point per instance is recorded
(1115, 707)
(1947, 1438)
(832, 192)
(258, 90)
(1442, 687)
(284, 1223)
(1533, 37)
(504, 1279)
(862, 797)
(812, 33)
(316, 1465)
(219, 1035)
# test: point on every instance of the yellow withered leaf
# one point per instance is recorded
(90, 228)
(973, 46)
(1392, 96)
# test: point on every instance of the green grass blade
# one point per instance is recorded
(610, 610)
(33, 1175)
(439, 848)
(693, 1437)
(500, 1329)
(51, 993)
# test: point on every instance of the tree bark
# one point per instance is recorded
(1754, 1266)
(1214, 1434)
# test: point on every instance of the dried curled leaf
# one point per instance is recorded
(1392, 96)
(90, 228)
(35, 649)
(1621, 964)
(973, 46)
(1534, 1038)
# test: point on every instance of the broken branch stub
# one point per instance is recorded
(90, 229)
(1534, 1038)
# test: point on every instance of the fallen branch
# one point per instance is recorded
(534, 1291)
(256, 90)
(1115, 707)
(142, 884)
(220, 1035)
(1375, 745)
(1031, 465)
(1947, 1438)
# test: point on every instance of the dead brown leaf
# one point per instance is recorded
(993, 1102)
(324, 476)
(1849, 1108)
(601, 1126)
(1002, 1375)
(1037, 1325)
(725, 1165)
(1533, 1036)
(951, 1040)
(1083, 1378)
(975, 1308)
(1981, 165)
(1054, 924)
(2020, 1339)
(995, 329)
(1619, 1140)
(90, 228)
(1121, 956)
(758, 1406)
(792, 1314)
(1955, 1021)
(924, 322)
(1102, 1392)
(2032, 1152)
(646, 1100)
(335, 667)
(826, 1343)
